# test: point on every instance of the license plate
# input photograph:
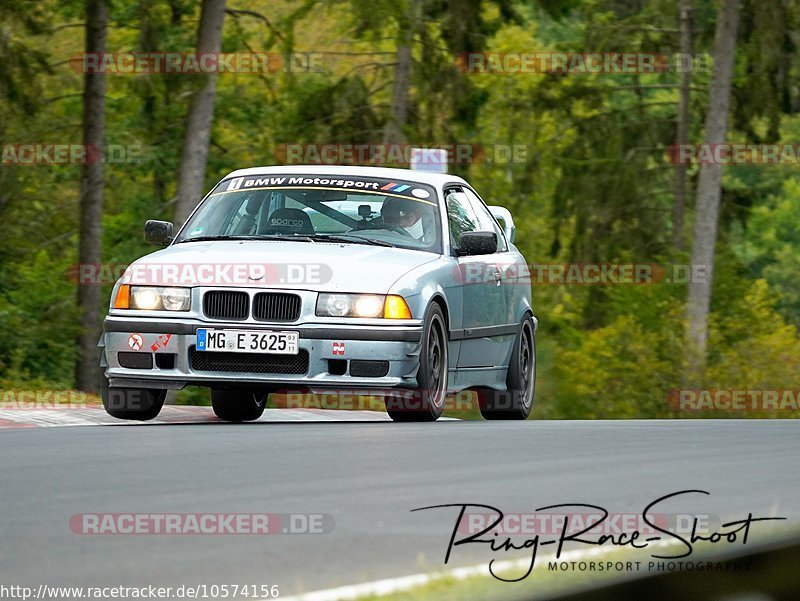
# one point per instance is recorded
(248, 341)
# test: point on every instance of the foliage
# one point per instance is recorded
(593, 183)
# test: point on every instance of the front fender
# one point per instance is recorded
(431, 280)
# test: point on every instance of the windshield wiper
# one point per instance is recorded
(296, 237)
(207, 238)
(352, 239)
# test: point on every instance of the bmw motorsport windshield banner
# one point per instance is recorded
(387, 187)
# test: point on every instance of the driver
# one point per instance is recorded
(404, 214)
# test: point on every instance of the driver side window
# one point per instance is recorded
(486, 222)
(460, 216)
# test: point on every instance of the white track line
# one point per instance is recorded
(388, 586)
(13, 418)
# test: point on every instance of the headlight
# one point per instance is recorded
(368, 306)
(362, 305)
(145, 298)
(152, 298)
(176, 299)
(335, 305)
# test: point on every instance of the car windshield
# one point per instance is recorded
(320, 208)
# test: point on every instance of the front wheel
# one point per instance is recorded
(426, 403)
(516, 401)
(132, 403)
(238, 404)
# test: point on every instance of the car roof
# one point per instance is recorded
(424, 177)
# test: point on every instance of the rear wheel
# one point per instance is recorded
(516, 401)
(426, 403)
(239, 404)
(132, 403)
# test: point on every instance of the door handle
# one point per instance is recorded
(498, 277)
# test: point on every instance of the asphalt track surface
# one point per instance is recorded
(365, 476)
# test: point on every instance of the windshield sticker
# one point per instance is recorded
(382, 186)
(395, 187)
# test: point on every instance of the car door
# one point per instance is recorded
(481, 290)
(506, 260)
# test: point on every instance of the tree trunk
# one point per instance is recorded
(393, 132)
(152, 112)
(398, 118)
(90, 246)
(191, 178)
(682, 134)
(708, 187)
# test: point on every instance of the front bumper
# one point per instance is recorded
(397, 345)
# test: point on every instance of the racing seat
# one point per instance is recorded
(289, 221)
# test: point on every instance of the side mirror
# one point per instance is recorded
(477, 243)
(503, 216)
(158, 232)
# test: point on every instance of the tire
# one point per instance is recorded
(239, 404)
(140, 404)
(426, 403)
(516, 401)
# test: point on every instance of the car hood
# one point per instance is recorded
(320, 266)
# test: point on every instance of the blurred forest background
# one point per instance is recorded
(596, 185)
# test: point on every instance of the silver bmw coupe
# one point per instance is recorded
(322, 278)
